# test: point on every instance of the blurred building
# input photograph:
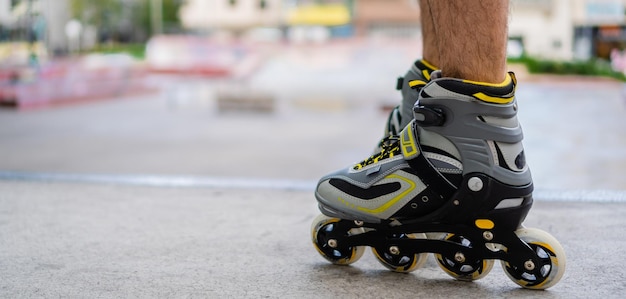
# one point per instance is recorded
(305, 19)
(599, 27)
(541, 28)
(234, 15)
(555, 29)
(567, 29)
(5, 12)
(35, 21)
(399, 18)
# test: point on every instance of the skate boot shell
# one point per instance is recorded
(453, 183)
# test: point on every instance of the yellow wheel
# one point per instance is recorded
(327, 234)
(552, 259)
(459, 267)
(393, 258)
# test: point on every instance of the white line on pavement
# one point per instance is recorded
(177, 181)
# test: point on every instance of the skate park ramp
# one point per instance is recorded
(165, 195)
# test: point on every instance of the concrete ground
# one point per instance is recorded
(101, 240)
(169, 195)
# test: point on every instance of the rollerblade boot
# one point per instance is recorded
(454, 183)
(410, 86)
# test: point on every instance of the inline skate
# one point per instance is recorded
(453, 183)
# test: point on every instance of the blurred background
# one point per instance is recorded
(282, 89)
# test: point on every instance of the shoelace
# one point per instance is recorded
(390, 147)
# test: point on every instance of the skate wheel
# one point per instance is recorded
(460, 268)
(324, 233)
(392, 258)
(551, 254)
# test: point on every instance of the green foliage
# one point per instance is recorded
(592, 67)
(170, 14)
(137, 50)
(110, 16)
(98, 13)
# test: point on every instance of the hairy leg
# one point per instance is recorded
(430, 52)
(470, 37)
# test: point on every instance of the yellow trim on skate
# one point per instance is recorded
(426, 73)
(507, 81)
(514, 78)
(394, 200)
(345, 202)
(414, 83)
(409, 148)
(427, 64)
(497, 100)
(484, 223)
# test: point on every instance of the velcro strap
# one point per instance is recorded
(429, 174)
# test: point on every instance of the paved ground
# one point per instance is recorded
(98, 240)
(167, 195)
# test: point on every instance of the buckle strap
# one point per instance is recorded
(428, 117)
